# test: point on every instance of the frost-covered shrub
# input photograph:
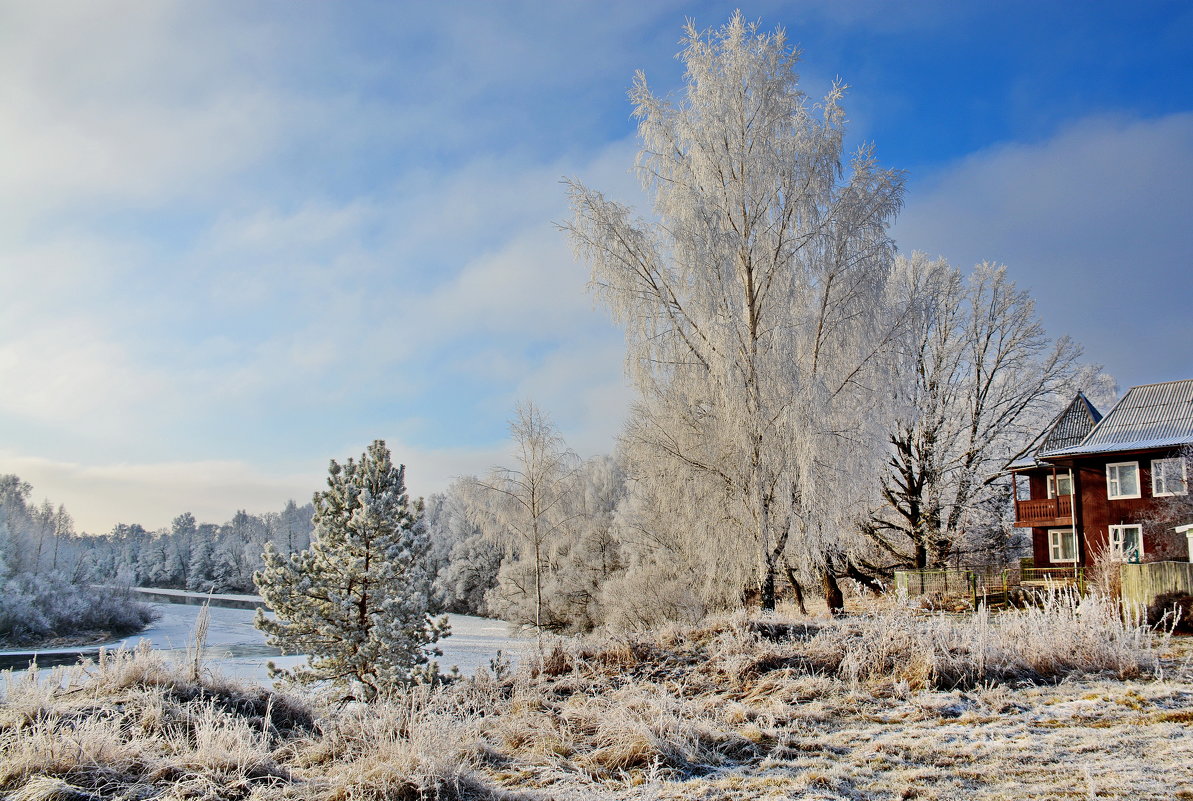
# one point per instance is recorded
(650, 595)
(37, 607)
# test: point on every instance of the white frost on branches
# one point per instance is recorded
(755, 307)
(355, 601)
(530, 506)
(977, 380)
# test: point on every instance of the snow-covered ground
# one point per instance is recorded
(200, 596)
(237, 649)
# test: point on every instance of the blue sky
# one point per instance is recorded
(240, 239)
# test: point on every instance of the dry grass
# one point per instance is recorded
(1064, 635)
(135, 725)
(1066, 701)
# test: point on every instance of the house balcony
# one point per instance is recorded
(1044, 512)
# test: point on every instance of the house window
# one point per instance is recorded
(1122, 480)
(1062, 545)
(1168, 477)
(1063, 481)
(1126, 543)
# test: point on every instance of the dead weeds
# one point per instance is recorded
(735, 708)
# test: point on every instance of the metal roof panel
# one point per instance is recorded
(1148, 416)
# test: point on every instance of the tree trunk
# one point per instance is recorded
(866, 580)
(538, 587)
(797, 589)
(768, 589)
(832, 593)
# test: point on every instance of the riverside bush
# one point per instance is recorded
(35, 608)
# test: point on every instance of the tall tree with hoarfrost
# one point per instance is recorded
(754, 303)
(355, 601)
(978, 380)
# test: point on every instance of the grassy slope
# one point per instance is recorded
(866, 708)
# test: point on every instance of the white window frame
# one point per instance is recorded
(1052, 485)
(1114, 539)
(1184, 479)
(1056, 545)
(1115, 482)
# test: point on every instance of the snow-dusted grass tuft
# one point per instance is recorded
(420, 746)
(133, 720)
(136, 724)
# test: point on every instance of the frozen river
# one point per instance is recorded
(237, 649)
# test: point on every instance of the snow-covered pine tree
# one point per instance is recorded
(355, 601)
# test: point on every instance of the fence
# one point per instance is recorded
(1053, 577)
(948, 583)
(1143, 583)
(991, 587)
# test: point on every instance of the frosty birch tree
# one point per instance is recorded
(356, 601)
(979, 378)
(528, 507)
(754, 305)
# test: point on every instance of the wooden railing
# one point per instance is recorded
(1053, 577)
(1043, 511)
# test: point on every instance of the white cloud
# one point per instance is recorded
(153, 493)
(586, 390)
(209, 246)
(67, 375)
(275, 309)
(1093, 221)
(131, 102)
(101, 495)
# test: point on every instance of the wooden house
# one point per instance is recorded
(1117, 485)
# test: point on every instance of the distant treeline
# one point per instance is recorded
(190, 555)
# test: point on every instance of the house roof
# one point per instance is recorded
(1072, 426)
(1067, 429)
(1148, 416)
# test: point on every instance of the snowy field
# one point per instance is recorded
(237, 649)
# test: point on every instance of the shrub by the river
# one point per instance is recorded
(37, 608)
